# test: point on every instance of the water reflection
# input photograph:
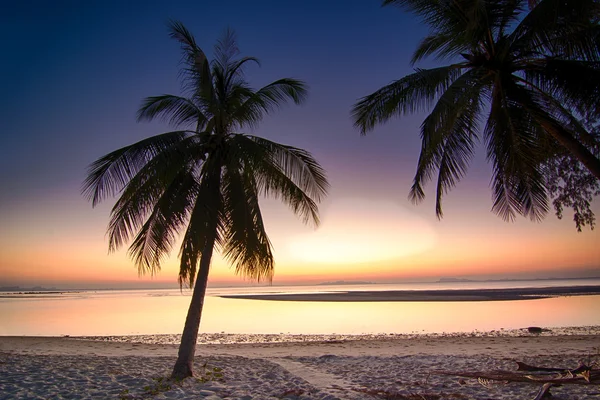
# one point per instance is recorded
(163, 312)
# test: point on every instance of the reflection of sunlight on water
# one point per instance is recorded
(135, 312)
(358, 231)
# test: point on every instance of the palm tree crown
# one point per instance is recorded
(524, 80)
(202, 182)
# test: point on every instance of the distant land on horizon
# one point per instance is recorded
(85, 287)
(20, 289)
(458, 280)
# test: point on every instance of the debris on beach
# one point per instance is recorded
(537, 330)
(583, 374)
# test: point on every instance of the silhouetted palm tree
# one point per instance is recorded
(527, 78)
(203, 182)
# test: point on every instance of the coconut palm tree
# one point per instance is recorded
(521, 81)
(201, 183)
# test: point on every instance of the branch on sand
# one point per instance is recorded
(582, 375)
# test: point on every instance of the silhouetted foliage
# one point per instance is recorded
(520, 80)
(571, 185)
(201, 183)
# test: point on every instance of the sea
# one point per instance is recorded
(162, 312)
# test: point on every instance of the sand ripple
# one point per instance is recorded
(327, 377)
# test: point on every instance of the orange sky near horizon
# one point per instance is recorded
(359, 239)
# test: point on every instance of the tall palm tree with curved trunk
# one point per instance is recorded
(201, 183)
(521, 80)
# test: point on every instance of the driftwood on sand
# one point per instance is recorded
(547, 376)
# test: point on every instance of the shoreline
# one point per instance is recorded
(366, 345)
(434, 295)
(225, 339)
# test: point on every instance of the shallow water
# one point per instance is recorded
(152, 312)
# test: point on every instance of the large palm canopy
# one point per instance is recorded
(521, 81)
(201, 183)
(164, 182)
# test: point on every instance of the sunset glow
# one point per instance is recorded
(357, 231)
(98, 65)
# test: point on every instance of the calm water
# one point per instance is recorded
(139, 312)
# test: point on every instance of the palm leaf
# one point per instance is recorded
(247, 245)
(156, 237)
(414, 92)
(448, 136)
(109, 174)
(565, 28)
(196, 74)
(517, 148)
(572, 83)
(296, 164)
(254, 106)
(285, 172)
(143, 191)
(176, 110)
(235, 70)
(459, 26)
(437, 45)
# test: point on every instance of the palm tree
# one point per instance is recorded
(527, 79)
(202, 182)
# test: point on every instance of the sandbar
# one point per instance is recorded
(426, 295)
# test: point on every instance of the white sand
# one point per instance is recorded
(71, 368)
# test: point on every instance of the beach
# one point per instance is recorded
(303, 367)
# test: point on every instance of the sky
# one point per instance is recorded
(74, 74)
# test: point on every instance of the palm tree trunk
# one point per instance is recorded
(184, 366)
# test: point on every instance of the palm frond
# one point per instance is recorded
(573, 137)
(574, 84)
(434, 13)
(175, 110)
(141, 194)
(226, 48)
(268, 99)
(414, 92)
(439, 45)
(455, 157)
(568, 29)
(448, 136)
(298, 165)
(517, 147)
(460, 26)
(196, 75)
(235, 70)
(284, 172)
(156, 237)
(247, 245)
(110, 173)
